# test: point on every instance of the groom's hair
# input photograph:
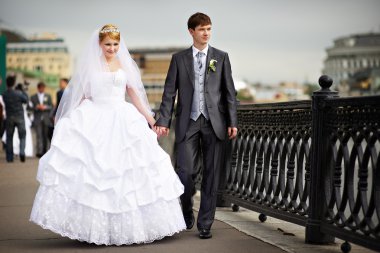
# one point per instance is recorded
(198, 19)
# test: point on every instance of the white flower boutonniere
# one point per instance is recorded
(212, 66)
(45, 99)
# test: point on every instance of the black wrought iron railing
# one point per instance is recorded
(314, 163)
(269, 170)
(351, 169)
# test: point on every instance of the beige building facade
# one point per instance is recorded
(154, 64)
(49, 56)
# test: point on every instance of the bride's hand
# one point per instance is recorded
(157, 131)
(151, 123)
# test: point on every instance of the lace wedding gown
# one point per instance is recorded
(105, 179)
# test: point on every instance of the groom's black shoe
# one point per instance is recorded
(205, 233)
(22, 158)
(190, 222)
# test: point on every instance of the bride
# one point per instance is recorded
(105, 179)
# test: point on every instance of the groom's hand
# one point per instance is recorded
(162, 130)
(232, 132)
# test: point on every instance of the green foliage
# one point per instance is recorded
(310, 88)
(244, 95)
(49, 79)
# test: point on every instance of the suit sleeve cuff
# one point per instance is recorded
(163, 122)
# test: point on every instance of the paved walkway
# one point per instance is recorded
(18, 187)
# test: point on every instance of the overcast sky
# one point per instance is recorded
(268, 40)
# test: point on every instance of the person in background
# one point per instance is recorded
(28, 125)
(14, 100)
(62, 86)
(63, 82)
(42, 106)
(2, 115)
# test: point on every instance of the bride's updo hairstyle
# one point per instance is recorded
(111, 31)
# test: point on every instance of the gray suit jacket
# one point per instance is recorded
(220, 95)
(42, 116)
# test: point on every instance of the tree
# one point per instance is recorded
(244, 95)
(310, 88)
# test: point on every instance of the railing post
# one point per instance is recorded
(317, 198)
(227, 154)
(220, 201)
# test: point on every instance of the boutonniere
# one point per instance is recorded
(45, 99)
(212, 66)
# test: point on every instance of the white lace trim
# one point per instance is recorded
(54, 211)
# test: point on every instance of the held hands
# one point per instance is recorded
(164, 131)
(41, 107)
(161, 131)
(232, 132)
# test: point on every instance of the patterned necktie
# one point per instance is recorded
(199, 59)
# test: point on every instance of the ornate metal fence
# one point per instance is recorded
(269, 171)
(351, 169)
(314, 163)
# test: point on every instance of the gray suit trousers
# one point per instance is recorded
(200, 141)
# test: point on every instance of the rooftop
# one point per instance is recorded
(358, 40)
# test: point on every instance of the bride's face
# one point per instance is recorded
(109, 47)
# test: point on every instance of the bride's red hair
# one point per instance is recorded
(111, 31)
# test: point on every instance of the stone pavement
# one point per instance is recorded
(232, 232)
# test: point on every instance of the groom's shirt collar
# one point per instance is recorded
(196, 50)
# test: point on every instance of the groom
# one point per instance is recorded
(206, 114)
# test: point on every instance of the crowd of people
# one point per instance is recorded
(21, 113)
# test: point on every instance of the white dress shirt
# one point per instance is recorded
(41, 97)
(196, 50)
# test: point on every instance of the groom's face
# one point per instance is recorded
(201, 34)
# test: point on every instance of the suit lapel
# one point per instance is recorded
(210, 55)
(35, 99)
(189, 63)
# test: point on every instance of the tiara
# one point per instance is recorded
(110, 30)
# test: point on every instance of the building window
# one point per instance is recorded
(344, 63)
(142, 62)
(364, 63)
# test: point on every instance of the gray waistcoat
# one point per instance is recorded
(198, 106)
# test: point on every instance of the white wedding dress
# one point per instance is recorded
(105, 179)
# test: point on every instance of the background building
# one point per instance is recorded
(46, 56)
(354, 63)
(154, 64)
(39, 58)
